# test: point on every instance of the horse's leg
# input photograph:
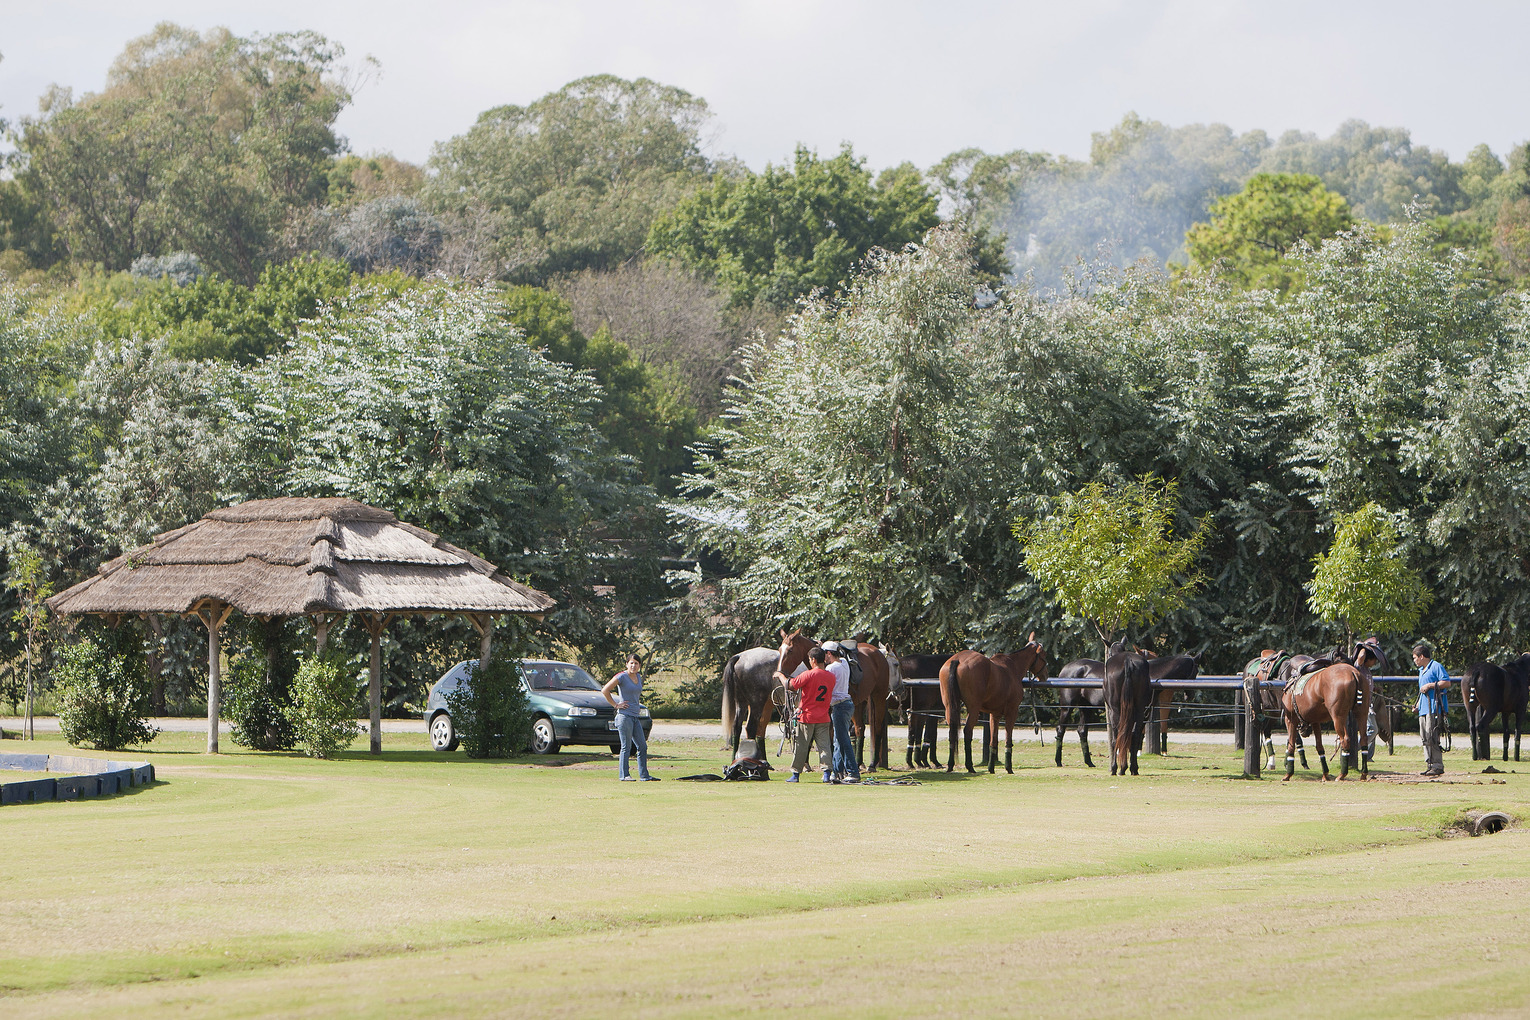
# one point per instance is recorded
(953, 717)
(1009, 742)
(1062, 726)
(1164, 700)
(1291, 738)
(967, 739)
(1343, 736)
(1505, 734)
(1317, 743)
(760, 735)
(1083, 735)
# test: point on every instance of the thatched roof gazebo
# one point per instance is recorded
(295, 556)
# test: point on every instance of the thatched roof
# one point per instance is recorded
(294, 556)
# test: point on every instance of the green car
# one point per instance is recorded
(565, 701)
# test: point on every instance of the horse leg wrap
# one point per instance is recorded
(1324, 759)
(1009, 760)
(1290, 765)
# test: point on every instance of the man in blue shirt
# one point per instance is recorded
(1433, 703)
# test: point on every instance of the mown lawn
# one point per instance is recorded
(429, 885)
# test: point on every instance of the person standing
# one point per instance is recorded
(1433, 703)
(814, 689)
(625, 693)
(846, 768)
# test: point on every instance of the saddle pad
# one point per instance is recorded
(1301, 685)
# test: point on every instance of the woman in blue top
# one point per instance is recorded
(628, 702)
(1433, 703)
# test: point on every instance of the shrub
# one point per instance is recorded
(323, 710)
(103, 697)
(490, 710)
(256, 702)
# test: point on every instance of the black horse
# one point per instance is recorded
(1170, 667)
(1080, 699)
(747, 684)
(922, 704)
(1487, 690)
(1128, 696)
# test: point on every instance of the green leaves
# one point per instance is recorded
(1109, 556)
(1364, 582)
(1250, 232)
(778, 235)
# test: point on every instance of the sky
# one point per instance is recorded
(900, 80)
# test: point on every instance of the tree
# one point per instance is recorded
(204, 143)
(1109, 557)
(644, 412)
(781, 234)
(1251, 232)
(670, 318)
(1363, 582)
(26, 580)
(573, 180)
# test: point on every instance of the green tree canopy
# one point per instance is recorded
(1251, 232)
(573, 180)
(1363, 582)
(644, 413)
(203, 143)
(1110, 557)
(780, 234)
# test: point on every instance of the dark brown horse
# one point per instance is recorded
(992, 687)
(869, 696)
(1488, 690)
(1340, 694)
(1128, 697)
(1367, 656)
(1080, 700)
(1169, 667)
(923, 706)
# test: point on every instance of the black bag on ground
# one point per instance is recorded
(747, 768)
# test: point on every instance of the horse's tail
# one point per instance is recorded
(728, 698)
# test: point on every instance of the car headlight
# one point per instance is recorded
(577, 710)
(643, 712)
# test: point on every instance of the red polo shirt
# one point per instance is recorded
(817, 687)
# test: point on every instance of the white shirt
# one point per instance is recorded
(841, 671)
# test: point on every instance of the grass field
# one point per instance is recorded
(428, 885)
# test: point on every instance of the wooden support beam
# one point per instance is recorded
(213, 614)
(375, 623)
(484, 624)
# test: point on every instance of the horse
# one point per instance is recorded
(991, 687)
(748, 682)
(869, 696)
(1367, 655)
(920, 702)
(1340, 693)
(1128, 696)
(1487, 690)
(1169, 667)
(1080, 699)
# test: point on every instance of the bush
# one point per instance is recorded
(323, 710)
(256, 702)
(103, 697)
(490, 710)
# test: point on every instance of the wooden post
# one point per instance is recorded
(321, 632)
(1150, 738)
(213, 614)
(375, 622)
(484, 624)
(1251, 727)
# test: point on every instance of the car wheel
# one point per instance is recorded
(544, 739)
(443, 735)
(616, 748)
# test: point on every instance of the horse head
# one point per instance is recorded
(1038, 666)
(793, 651)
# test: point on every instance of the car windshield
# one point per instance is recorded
(560, 677)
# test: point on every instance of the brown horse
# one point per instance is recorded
(869, 696)
(991, 687)
(1340, 693)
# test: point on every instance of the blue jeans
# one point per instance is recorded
(631, 730)
(840, 714)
